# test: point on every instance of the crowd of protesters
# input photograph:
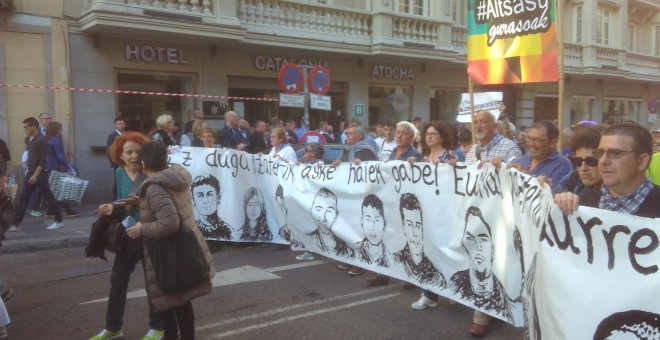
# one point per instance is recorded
(610, 166)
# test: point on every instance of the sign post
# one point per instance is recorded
(294, 78)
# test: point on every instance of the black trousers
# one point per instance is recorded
(28, 189)
(179, 322)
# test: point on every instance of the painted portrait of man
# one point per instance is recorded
(324, 211)
(371, 248)
(206, 198)
(415, 262)
(478, 283)
(629, 325)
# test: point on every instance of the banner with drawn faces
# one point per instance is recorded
(490, 239)
(236, 195)
(589, 275)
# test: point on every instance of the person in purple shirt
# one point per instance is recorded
(542, 158)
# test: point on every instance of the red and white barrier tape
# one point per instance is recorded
(148, 93)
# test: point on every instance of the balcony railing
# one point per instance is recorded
(186, 7)
(415, 29)
(304, 17)
(606, 56)
(459, 38)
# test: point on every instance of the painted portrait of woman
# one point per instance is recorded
(255, 225)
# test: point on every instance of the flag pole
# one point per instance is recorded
(560, 37)
(471, 91)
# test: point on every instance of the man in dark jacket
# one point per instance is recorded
(358, 148)
(623, 155)
(36, 176)
(257, 140)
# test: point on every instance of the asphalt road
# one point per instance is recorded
(259, 293)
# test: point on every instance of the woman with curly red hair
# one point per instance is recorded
(125, 152)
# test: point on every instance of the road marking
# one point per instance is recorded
(296, 306)
(303, 315)
(232, 276)
(297, 265)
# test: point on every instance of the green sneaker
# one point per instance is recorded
(107, 335)
(153, 334)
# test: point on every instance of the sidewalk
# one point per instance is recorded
(33, 235)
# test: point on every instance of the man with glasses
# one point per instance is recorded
(542, 158)
(623, 156)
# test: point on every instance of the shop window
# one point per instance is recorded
(443, 104)
(546, 108)
(141, 111)
(580, 109)
(390, 102)
(621, 111)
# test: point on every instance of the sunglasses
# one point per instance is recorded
(612, 153)
(577, 161)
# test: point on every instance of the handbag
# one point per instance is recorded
(178, 260)
(67, 188)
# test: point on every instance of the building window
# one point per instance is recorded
(580, 109)
(577, 22)
(620, 110)
(458, 12)
(632, 36)
(603, 28)
(414, 7)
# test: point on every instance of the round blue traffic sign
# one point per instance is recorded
(290, 78)
(319, 80)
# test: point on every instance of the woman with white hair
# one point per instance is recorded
(166, 130)
(404, 137)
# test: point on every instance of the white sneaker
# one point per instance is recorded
(423, 303)
(306, 256)
(55, 226)
(13, 228)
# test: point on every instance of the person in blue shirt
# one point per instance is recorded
(542, 158)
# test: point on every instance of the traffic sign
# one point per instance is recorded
(290, 78)
(358, 110)
(292, 100)
(319, 79)
(320, 102)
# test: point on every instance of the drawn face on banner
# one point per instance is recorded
(279, 198)
(629, 325)
(206, 195)
(324, 209)
(412, 222)
(373, 224)
(253, 208)
(478, 244)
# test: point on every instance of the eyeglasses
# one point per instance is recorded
(536, 140)
(309, 150)
(577, 161)
(612, 153)
(431, 134)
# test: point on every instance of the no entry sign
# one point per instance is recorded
(319, 80)
(290, 78)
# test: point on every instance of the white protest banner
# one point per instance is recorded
(457, 231)
(235, 194)
(489, 101)
(589, 275)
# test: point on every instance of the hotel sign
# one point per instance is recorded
(392, 72)
(268, 63)
(154, 54)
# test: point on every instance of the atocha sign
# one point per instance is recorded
(392, 72)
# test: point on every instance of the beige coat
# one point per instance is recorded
(162, 195)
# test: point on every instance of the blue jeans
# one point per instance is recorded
(121, 275)
(28, 189)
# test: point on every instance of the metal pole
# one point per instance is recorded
(471, 91)
(560, 38)
(305, 69)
